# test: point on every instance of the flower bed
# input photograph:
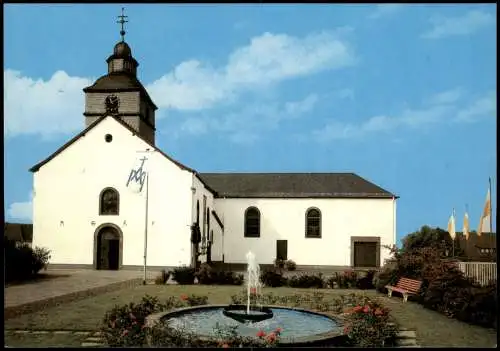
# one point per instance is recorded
(369, 325)
(342, 280)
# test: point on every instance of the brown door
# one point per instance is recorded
(365, 254)
(282, 249)
(108, 249)
(114, 254)
(104, 254)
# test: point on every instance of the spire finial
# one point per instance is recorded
(122, 20)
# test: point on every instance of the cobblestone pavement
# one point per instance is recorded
(68, 281)
(67, 285)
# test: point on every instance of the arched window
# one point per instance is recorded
(197, 211)
(313, 223)
(109, 202)
(252, 222)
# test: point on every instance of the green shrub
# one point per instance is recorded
(228, 278)
(344, 280)
(162, 278)
(279, 264)
(40, 259)
(194, 300)
(207, 275)
(366, 282)
(23, 262)
(369, 325)
(482, 307)
(386, 276)
(290, 265)
(184, 275)
(162, 335)
(272, 278)
(204, 274)
(449, 291)
(124, 326)
(307, 281)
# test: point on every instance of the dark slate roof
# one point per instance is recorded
(118, 81)
(18, 232)
(293, 185)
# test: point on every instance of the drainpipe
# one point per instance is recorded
(193, 245)
(394, 219)
(223, 229)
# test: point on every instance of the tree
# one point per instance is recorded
(428, 237)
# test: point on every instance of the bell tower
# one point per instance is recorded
(120, 93)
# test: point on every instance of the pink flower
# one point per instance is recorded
(357, 309)
(278, 330)
(125, 332)
(253, 291)
(225, 346)
(378, 312)
(271, 337)
(261, 333)
(366, 309)
(346, 330)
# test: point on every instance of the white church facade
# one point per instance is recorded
(86, 213)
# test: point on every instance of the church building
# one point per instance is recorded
(109, 198)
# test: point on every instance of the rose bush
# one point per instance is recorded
(125, 325)
(369, 325)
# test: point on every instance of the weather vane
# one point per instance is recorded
(122, 20)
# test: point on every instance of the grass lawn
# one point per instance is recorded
(49, 340)
(432, 328)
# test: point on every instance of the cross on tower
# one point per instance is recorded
(122, 20)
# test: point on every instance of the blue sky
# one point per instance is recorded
(403, 95)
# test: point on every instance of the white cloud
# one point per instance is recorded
(268, 59)
(383, 10)
(21, 210)
(469, 23)
(447, 97)
(53, 106)
(446, 107)
(482, 107)
(43, 107)
(246, 125)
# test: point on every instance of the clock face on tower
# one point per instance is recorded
(112, 103)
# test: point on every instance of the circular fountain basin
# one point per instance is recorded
(299, 327)
(241, 314)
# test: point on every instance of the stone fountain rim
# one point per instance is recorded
(303, 340)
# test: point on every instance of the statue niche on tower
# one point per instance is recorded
(112, 103)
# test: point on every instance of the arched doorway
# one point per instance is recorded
(108, 248)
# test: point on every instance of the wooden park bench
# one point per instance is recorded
(406, 287)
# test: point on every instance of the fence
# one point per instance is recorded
(483, 272)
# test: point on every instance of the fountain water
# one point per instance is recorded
(255, 313)
(253, 279)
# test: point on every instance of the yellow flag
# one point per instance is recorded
(484, 222)
(466, 226)
(451, 226)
